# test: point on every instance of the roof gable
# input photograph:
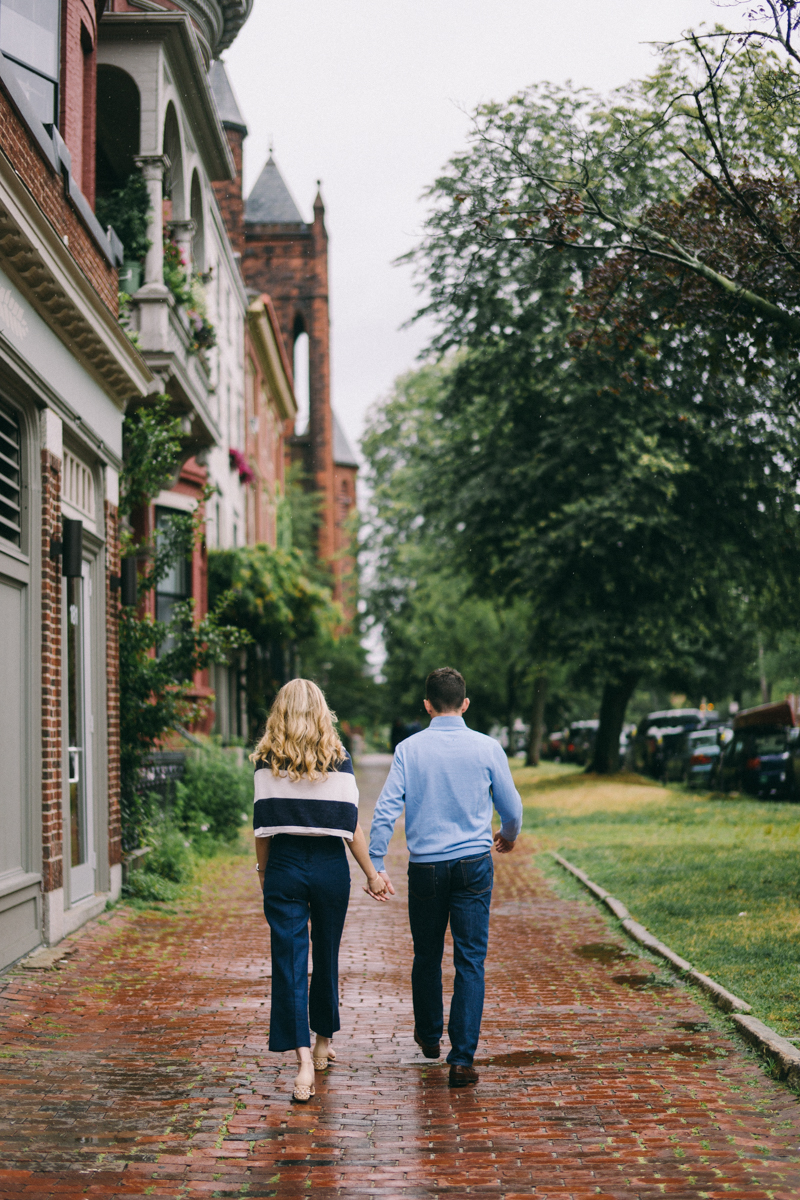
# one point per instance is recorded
(227, 106)
(271, 202)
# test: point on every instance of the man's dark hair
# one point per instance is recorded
(445, 689)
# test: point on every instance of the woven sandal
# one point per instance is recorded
(322, 1064)
(302, 1093)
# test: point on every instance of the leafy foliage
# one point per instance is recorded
(267, 594)
(689, 176)
(213, 795)
(127, 209)
(622, 475)
(420, 593)
(338, 664)
(176, 275)
(151, 448)
(158, 660)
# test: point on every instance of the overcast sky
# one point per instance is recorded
(369, 96)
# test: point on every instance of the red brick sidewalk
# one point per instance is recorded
(141, 1068)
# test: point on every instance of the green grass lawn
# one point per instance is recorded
(716, 878)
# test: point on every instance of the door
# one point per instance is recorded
(12, 732)
(80, 729)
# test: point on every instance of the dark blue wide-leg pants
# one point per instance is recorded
(306, 877)
(458, 891)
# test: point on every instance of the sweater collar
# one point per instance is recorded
(448, 721)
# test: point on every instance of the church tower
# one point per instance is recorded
(288, 258)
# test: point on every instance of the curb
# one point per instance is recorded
(779, 1049)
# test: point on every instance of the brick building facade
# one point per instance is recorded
(67, 372)
(91, 91)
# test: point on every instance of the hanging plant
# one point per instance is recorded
(176, 275)
(204, 335)
(239, 463)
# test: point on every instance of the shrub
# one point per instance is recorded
(127, 209)
(170, 856)
(143, 885)
(214, 798)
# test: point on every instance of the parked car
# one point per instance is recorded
(578, 743)
(659, 738)
(626, 733)
(763, 756)
(552, 745)
(696, 759)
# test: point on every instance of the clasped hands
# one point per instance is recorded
(385, 891)
(501, 845)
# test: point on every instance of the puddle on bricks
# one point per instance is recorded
(530, 1058)
(642, 983)
(603, 952)
(693, 1051)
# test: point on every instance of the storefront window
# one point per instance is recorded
(29, 36)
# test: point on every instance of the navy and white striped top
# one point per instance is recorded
(313, 807)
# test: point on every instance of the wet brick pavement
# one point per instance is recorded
(141, 1068)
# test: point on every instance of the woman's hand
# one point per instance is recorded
(376, 888)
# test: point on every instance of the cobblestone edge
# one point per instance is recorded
(785, 1055)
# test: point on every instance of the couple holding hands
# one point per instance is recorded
(306, 808)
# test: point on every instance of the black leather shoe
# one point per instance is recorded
(430, 1051)
(462, 1076)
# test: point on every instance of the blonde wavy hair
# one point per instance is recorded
(300, 740)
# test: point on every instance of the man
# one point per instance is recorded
(448, 776)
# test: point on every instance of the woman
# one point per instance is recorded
(306, 807)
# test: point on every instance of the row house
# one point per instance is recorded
(93, 92)
(153, 67)
(218, 356)
(67, 374)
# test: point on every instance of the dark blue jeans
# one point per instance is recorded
(305, 877)
(458, 891)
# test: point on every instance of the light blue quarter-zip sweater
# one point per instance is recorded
(448, 777)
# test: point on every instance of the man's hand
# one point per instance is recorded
(389, 888)
(502, 845)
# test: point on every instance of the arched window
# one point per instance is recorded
(118, 123)
(173, 178)
(302, 380)
(198, 237)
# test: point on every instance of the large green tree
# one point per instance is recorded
(420, 595)
(637, 486)
(267, 593)
(688, 180)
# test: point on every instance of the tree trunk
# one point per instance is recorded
(766, 686)
(616, 695)
(537, 721)
(511, 707)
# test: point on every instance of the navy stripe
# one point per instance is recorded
(310, 814)
(345, 767)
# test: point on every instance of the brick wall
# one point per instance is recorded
(112, 685)
(47, 189)
(52, 833)
(77, 89)
(229, 193)
(290, 264)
